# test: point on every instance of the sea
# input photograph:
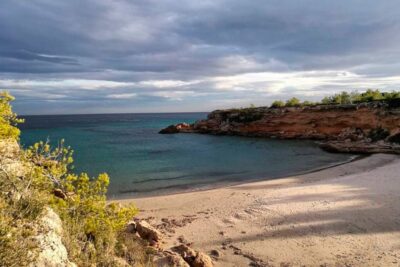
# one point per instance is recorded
(141, 162)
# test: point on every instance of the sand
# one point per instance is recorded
(348, 215)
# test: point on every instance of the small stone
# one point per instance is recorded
(131, 227)
(215, 253)
(59, 193)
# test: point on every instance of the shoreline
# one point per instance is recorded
(242, 182)
(343, 215)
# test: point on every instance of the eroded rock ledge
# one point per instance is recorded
(372, 127)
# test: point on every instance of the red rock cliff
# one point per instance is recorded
(338, 122)
(364, 128)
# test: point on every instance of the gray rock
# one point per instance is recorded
(52, 252)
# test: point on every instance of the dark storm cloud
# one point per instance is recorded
(170, 53)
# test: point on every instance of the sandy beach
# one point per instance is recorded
(348, 215)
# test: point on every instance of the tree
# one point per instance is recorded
(338, 99)
(371, 95)
(277, 104)
(293, 102)
(344, 98)
(307, 103)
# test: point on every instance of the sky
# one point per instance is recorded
(101, 56)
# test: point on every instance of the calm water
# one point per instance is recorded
(141, 162)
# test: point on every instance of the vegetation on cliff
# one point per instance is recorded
(253, 113)
(342, 98)
(40, 177)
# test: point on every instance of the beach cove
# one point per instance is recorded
(347, 215)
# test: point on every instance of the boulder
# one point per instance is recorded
(169, 259)
(194, 258)
(186, 252)
(147, 232)
(202, 260)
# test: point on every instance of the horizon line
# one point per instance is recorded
(111, 113)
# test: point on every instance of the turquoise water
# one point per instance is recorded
(142, 162)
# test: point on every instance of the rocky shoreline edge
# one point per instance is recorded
(365, 128)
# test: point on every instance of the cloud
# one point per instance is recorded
(122, 96)
(154, 54)
(68, 83)
(166, 83)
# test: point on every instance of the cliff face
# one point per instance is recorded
(353, 125)
(320, 122)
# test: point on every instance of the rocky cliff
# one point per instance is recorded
(350, 126)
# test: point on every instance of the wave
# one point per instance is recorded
(177, 187)
(180, 177)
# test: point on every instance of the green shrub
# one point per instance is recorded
(92, 227)
(370, 95)
(293, 102)
(8, 119)
(340, 99)
(242, 115)
(307, 104)
(277, 104)
(355, 97)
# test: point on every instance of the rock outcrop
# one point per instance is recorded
(360, 147)
(145, 231)
(178, 256)
(180, 127)
(364, 123)
(52, 251)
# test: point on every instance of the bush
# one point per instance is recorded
(340, 99)
(277, 104)
(243, 115)
(307, 104)
(92, 227)
(8, 119)
(293, 102)
(370, 95)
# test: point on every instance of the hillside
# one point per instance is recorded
(51, 216)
